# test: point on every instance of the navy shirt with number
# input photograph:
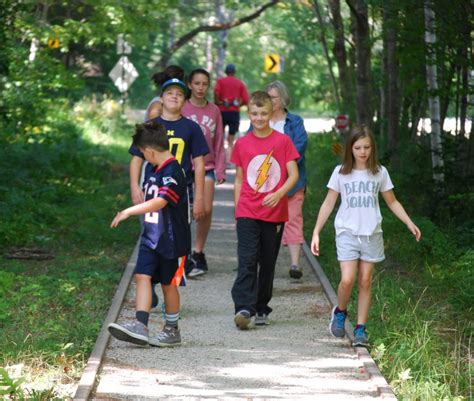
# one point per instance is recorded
(186, 142)
(168, 229)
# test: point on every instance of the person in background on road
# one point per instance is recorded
(165, 239)
(230, 93)
(358, 224)
(266, 170)
(198, 109)
(293, 126)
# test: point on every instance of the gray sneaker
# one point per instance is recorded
(243, 320)
(134, 332)
(169, 337)
(261, 320)
(337, 324)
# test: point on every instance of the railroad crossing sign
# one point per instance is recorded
(123, 74)
(342, 122)
(273, 63)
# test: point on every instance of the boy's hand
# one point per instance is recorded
(315, 244)
(414, 230)
(271, 200)
(118, 218)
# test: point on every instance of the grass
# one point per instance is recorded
(420, 320)
(59, 196)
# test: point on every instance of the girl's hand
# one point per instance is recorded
(137, 195)
(271, 200)
(198, 209)
(221, 181)
(414, 230)
(315, 244)
(118, 218)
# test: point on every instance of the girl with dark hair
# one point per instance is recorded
(358, 224)
(208, 116)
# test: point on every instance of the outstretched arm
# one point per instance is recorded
(398, 210)
(153, 205)
(324, 212)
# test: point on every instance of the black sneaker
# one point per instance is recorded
(296, 272)
(200, 264)
(190, 264)
(200, 259)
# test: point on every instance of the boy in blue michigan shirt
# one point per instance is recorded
(165, 239)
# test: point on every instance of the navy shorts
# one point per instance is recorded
(162, 270)
(232, 119)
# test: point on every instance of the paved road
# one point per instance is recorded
(294, 358)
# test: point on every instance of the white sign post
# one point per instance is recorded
(122, 45)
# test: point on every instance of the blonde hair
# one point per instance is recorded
(357, 132)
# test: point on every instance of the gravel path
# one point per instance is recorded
(295, 358)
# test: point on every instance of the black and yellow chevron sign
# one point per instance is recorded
(272, 63)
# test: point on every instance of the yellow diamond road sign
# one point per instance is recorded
(272, 63)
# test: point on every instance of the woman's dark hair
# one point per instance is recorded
(199, 71)
(172, 71)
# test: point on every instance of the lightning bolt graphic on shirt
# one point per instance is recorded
(263, 172)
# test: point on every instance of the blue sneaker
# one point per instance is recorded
(360, 337)
(338, 320)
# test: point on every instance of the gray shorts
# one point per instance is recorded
(368, 248)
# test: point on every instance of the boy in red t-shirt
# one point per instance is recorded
(266, 170)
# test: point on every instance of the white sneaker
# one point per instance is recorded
(261, 320)
(195, 272)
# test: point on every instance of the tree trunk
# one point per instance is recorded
(317, 12)
(393, 108)
(222, 35)
(433, 99)
(362, 40)
(464, 92)
(340, 55)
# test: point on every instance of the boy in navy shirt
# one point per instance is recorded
(165, 239)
